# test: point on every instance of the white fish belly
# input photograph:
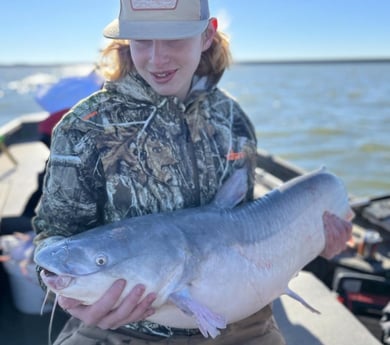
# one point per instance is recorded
(238, 281)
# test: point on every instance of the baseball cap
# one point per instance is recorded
(159, 19)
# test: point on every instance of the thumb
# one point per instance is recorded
(68, 303)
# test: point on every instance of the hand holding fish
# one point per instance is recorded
(101, 313)
(338, 232)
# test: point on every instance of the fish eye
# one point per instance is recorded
(101, 260)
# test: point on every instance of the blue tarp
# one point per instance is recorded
(67, 91)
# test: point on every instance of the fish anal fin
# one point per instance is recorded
(208, 321)
(298, 298)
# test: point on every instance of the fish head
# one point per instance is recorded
(87, 252)
(72, 268)
(71, 256)
(85, 265)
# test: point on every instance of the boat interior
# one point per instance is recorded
(350, 290)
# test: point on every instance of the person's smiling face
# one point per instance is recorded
(169, 65)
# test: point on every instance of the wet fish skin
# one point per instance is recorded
(217, 264)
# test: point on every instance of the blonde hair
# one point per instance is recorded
(116, 61)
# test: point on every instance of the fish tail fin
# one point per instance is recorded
(298, 298)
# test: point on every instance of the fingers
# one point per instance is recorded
(94, 313)
(132, 309)
(68, 303)
(337, 233)
(102, 313)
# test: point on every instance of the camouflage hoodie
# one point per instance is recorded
(127, 151)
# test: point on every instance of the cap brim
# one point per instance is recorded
(154, 30)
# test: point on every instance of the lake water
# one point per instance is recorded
(324, 114)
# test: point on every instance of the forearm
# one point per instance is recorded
(69, 202)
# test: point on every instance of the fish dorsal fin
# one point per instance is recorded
(233, 191)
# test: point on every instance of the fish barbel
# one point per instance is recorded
(211, 265)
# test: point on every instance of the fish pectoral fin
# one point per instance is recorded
(298, 298)
(208, 321)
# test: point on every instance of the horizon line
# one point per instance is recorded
(234, 62)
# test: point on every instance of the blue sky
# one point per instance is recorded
(57, 31)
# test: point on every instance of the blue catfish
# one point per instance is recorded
(211, 265)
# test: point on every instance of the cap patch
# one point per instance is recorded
(144, 5)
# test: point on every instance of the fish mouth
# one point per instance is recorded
(54, 281)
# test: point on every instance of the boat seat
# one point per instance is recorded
(378, 212)
(360, 292)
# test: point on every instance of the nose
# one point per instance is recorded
(159, 54)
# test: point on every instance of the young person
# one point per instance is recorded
(160, 136)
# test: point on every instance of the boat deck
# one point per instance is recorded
(17, 182)
(336, 325)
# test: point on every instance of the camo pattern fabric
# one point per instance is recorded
(127, 151)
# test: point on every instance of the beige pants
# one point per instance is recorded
(259, 329)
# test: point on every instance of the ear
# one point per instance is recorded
(209, 33)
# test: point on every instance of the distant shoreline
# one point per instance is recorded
(238, 62)
(312, 61)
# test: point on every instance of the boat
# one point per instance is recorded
(349, 290)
